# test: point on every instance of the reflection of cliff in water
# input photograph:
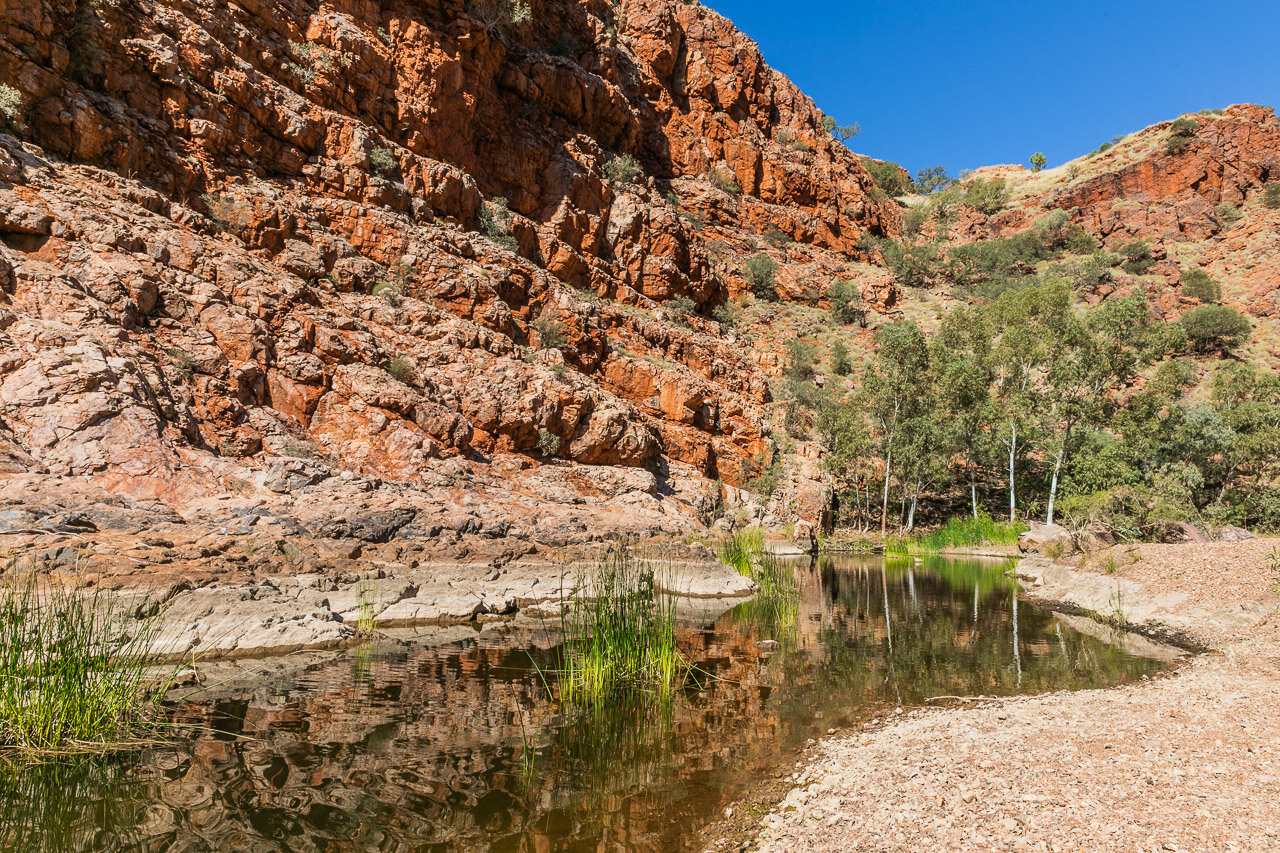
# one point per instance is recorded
(459, 748)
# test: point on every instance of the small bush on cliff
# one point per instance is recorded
(727, 315)
(682, 307)
(1228, 213)
(383, 160)
(550, 331)
(1137, 257)
(1196, 284)
(842, 132)
(229, 214)
(401, 369)
(723, 180)
(912, 266)
(760, 272)
(987, 196)
(1215, 328)
(10, 103)
(1038, 161)
(1271, 197)
(889, 177)
(625, 169)
(548, 443)
(800, 358)
(840, 365)
(1181, 132)
(494, 220)
(846, 303)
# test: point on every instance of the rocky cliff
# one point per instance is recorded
(294, 264)
(1193, 192)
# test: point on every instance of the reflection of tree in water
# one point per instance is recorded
(405, 747)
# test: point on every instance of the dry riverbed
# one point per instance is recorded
(1190, 761)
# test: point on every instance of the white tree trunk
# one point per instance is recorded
(1053, 482)
(1013, 451)
(973, 487)
(884, 501)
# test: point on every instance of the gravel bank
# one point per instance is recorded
(1186, 762)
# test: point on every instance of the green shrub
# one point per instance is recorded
(1181, 132)
(625, 169)
(1196, 284)
(550, 331)
(1038, 161)
(912, 266)
(800, 358)
(889, 176)
(987, 196)
(1228, 213)
(840, 359)
(760, 271)
(383, 160)
(682, 305)
(914, 219)
(1271, 197)
(401, 369)
(672, 199)
(727, 315)
(842, 132)
(846, 303)
(1215, 327)
(724, 180)
(495, 223)
(548, 443)
(10, 103)
(1137, 257)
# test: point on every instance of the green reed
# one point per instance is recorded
(620, 633)
(740, 550)
(75, 670)
(775, 607)
(959, 532)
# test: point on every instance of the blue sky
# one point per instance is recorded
(968, 84)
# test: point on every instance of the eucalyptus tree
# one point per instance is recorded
(894, 391)
(960, 357)
(1021, 319)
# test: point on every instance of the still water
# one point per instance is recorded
(409, 746)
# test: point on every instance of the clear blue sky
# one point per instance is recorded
(968, 84)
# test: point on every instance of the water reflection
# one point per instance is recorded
(402, 747)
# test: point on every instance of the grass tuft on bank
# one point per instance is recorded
(621, 631)
(959, 532)
(75, 673)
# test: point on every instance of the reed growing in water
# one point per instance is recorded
(775, 607)
(621, 634)
(75, 672)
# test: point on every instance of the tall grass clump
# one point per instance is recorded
(622, 634)
(959, 532)
(740, 549)
(775, 607)
(75, 673)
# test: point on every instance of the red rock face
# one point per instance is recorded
(239, 231)
(1229, 159)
